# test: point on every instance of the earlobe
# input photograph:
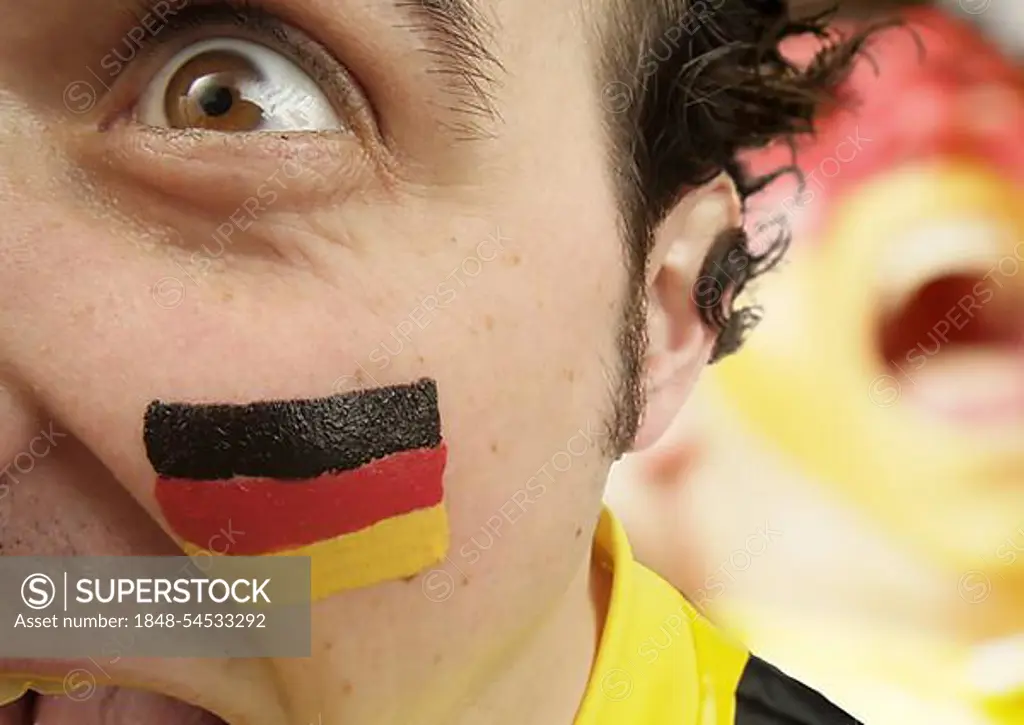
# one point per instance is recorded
(680, 345)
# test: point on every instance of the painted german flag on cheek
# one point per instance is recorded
(354, 481)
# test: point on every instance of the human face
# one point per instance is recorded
(892, 369)
(370, 240)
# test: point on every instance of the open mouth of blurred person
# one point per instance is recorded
(950, 321)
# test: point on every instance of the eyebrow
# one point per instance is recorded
(460, 43)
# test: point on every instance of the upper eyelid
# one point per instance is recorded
(250, 23)
(202, 19)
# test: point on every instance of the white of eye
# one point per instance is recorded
(237, 86)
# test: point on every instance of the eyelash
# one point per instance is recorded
(250, 20)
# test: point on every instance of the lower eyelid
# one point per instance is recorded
(210, 169)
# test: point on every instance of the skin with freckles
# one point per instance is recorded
(365, 241)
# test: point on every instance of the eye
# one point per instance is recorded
(234, 85)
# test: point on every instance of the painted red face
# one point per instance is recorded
(931, 89)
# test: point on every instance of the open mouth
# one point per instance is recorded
(951, 327)
(104, 706)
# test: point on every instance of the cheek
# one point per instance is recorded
(518, 329)
(86, 331)
(528, 350)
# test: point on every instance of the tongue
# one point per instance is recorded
(115, 706)
(16, 713)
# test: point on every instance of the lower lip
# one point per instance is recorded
(989, 395)
(53, 671)
(1010, 410)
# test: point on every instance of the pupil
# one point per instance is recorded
(216, 101)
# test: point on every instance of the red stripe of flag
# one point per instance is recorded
(269, 515)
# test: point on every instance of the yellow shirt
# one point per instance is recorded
(661, 663)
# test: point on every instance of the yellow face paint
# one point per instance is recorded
(392, 549)
(11, 690)
(13, 687)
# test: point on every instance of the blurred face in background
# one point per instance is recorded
(891, 361)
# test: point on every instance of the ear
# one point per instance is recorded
(679, 343)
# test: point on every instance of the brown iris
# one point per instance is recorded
(208, 93)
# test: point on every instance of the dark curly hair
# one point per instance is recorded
(689, 86)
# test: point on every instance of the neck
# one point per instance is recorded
(536, 671)
(543, 677)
